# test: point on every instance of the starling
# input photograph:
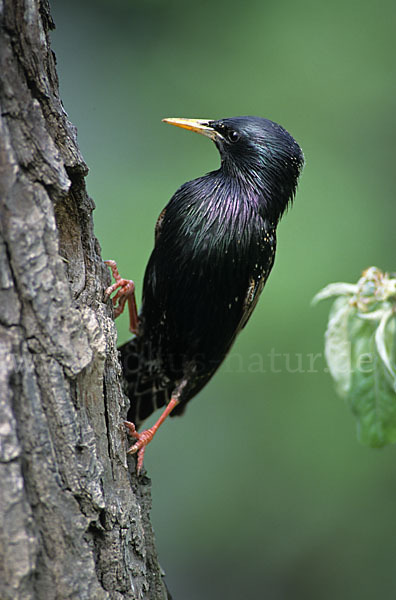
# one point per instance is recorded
(214, 249)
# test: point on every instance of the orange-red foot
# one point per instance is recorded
(126, 292)
(139, 446)
(147, 435)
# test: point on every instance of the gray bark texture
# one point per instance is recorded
(74, 520)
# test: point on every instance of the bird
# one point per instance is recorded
(214, 249)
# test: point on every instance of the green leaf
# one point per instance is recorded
(385, 340)
(371, 396)
(338, 346)
(360, 349)
(335, 289)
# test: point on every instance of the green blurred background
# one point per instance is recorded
(261, 490)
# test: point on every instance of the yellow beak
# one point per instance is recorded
(197, 125)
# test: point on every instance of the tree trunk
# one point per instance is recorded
(74, 522)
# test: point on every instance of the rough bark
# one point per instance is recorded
(74, 522)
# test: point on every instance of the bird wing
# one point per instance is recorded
(253, 293)
(256, 286)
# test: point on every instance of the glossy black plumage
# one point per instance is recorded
(214, 249)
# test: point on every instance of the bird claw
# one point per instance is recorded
(147, 435)
(131, 429)
(126, 292)
(139, 446)
(126, 288)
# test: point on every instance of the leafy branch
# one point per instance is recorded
(360, 350)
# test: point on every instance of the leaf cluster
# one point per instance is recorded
(360, 350)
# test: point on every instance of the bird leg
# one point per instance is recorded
(126, 292)
(147, 435)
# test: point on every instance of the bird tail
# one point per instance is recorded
(144, 385)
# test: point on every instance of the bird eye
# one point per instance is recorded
(233, 136)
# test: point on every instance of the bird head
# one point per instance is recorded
(260, 154)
